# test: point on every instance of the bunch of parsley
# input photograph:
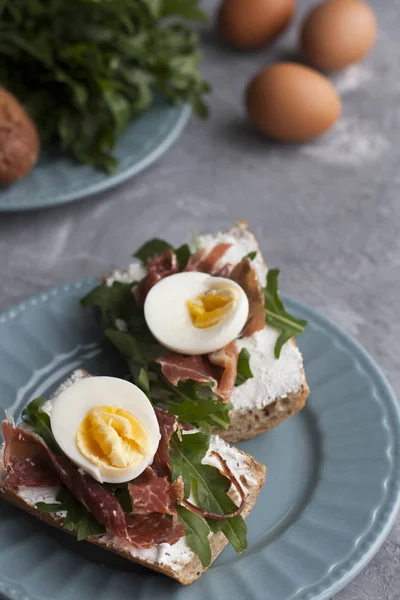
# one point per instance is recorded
(84, 68)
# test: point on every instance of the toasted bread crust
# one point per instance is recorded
(189, 572)
(247, 423)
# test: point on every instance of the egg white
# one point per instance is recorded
(168, 317)
(72, 405)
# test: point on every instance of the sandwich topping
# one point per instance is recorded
(148, 508)
(178, 326)
(113, 442)
(196, 313)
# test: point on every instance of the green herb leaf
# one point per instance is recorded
(116, 301)
(85, 69)
(196, 531)
(124, 498)
(40, 420)
(276, 315)
(77, 519)
(243, 367)
(207, 484)
(185, 9)
(197, 402)
(235, 530)
(49, 508)
(151, 249)
(186, 454)
(143, 382)
(251, 255)
(126, 344)
(183, 254)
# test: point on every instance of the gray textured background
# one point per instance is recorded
(327, 213)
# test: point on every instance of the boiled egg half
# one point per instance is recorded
(196, 313)
(106, 426)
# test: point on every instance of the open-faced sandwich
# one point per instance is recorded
(99, 461)
(205, 333)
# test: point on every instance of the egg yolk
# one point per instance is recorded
(111, 436)
(211, 308)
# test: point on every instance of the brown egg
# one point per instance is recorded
(253, 23)
(19, 140)
(338, 33)
(292, 103)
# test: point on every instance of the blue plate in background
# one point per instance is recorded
(330, 497)
(56, 179)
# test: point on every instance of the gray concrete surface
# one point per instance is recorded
(326, 212)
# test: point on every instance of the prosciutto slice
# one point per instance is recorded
(151, 493)
(99, 501)
(167, 424)
(176, 367)
(145, 531)
(27, 462)
(157, 268)
(244, 274)
(227, 359)
(218, 368)
(207, 261)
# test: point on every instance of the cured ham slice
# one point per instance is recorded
(244, 274)
(26, 461)
(145, 531)
(207, 261)
(92, 494)
(151, 493)
(219, 368)
(176, 367)
(101, 503)
(227, 359)
(157, 268)
(167, 424)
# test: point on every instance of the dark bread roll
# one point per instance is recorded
(19, 139)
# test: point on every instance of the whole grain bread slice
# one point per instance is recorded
(189, 572)
(260, 413)
(252, 481)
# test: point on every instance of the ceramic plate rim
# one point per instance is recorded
(360, 556)
(183, 114)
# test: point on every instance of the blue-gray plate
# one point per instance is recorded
(330, 497)
(56, 179)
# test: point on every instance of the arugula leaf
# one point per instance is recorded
(235, 530)
(143, 382)
(196, 531)
(207, 484)
(40, 420)
(85, 69)
(184, 452)
(77, 519)
(116, 301)
(126, 344)
(49, 508)
(199, 403)
(183, 254)
(276, 315)
(243, 367)
(156, 246)
(151, 249)
(251, 255)
(124, 498)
